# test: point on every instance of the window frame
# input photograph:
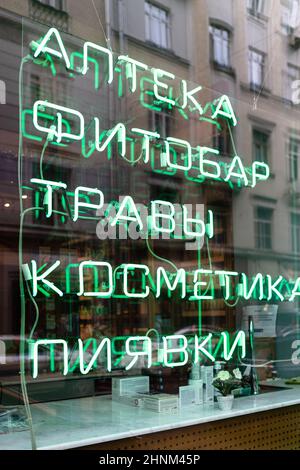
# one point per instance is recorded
(225, 59)
(293, 159)
(256, 8)
(295, 237)
(288, 79)
(251, 55)
(48, 3)
(149, 9)
(267, 134)
(260, 225)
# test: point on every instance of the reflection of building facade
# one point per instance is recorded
(244, 219)
(226, 47)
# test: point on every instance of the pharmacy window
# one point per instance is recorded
(220, 45)
(157, 22)
(256, 68)
(260, 147)
(263, 228)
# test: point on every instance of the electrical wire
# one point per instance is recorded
(20, 253)
(159, 257)
(42, 158)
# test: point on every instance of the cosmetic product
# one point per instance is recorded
(122, 386)
(160, 402)
(198, 386)
(208, 389)
(187, 396)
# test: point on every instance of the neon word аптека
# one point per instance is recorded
(161, 79)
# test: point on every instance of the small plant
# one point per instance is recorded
(226, 382)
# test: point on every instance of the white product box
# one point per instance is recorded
(160, 402)
(129, 385)
(198, 385)
(208, 377)
(132, 400)
(187, 396)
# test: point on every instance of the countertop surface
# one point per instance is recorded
(79, 422)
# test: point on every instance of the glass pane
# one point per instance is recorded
(145, 243)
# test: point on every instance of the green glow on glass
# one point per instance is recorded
(146, 352)
(127, 205)
(181, 143)
(102, 50)
(42, 278)
(238, 172)
(258, 176)
(147, 135)
(239, 340)
(224, 277)
(89, 264)
(87, 343)
(200, 344)
(295, 291)
(48, 196)
(105, 342)
(189, 220)
(133, 267)
(50, 342)
(163, 171)
(162, 276)
(41, 115)
(272, 287)
(179, 349)
(157, 75)
(208, 163)
(78, 204)
(57, 131)
(257, 281)
(90, 60)
(43, 48)
(156, 215)
(198, 284)
(189, 95)
(131, 69)
(224, 108)
(147, 92)
(118, 130)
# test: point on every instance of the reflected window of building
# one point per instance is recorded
(291, 75)
(263, 227)
(158, 28)
(35, 87)
(295, 226)
(161, 122)
(256, 7)
(293, 153)
(57, 4)
(222, 139)
(289, 15)
(260, 146)
(256, 68)
(220, 45)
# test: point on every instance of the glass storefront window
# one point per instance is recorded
(149, 218)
